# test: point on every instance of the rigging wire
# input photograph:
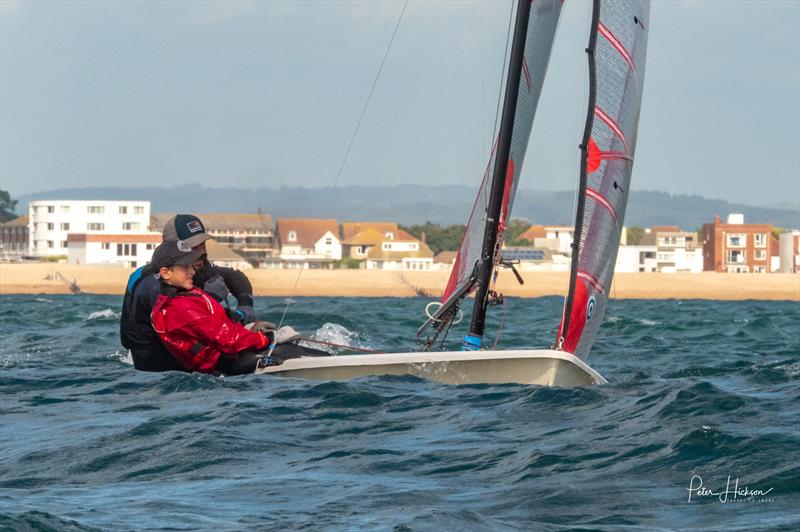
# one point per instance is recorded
(290, 300)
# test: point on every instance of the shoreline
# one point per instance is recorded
(20, 278)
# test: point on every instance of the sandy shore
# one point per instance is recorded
(40, 278)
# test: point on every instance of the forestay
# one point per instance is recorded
(542, 25)
(617, 48)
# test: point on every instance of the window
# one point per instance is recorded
(65, 227)
(759, 269)
(130, 226)
(735, 256)
(361, 250)
(64, 244)
(105, 245)
(387, 246)
(95, 209)
(149, 247)
(51, 209)
(50, 227)
(414, 246)
(389, 235)
(123, 209)
(65, 209)
(328, 241)
(138, 210)
(737, 241)
(292, 236)
(95, 227)
(50, 244)
(760, 254)
(126, 250)
(760, 240)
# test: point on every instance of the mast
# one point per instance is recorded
(584, 147)
(472, 341)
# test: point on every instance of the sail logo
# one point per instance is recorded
(590, 308)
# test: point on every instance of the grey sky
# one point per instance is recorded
(253, 94)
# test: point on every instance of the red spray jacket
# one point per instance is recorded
(197, 330)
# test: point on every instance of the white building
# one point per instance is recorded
(129, 250)
(308, 242)
(632, 259)
(50, 221)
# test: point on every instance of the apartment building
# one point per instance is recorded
(249, 235)
(736, 247)
(51, 221)
(676, 250)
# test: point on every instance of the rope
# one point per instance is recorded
(289, 301)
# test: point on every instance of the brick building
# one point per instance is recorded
(737, 247)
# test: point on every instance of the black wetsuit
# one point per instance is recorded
(136, 331)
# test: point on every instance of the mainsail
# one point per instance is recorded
(539, 21)
(617, 49)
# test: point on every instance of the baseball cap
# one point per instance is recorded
(174, 253)
(187, 228)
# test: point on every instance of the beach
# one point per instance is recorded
(52, 278)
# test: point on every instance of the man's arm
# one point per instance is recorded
(239, 285)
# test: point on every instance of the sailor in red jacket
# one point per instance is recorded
(193, 326)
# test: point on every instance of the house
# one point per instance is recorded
(130, 250)
(14, 238)
(676, 250)
(387, 229)
(404, 254)
(736, 247)
(358, 245)
(249, 235)
(638, 258)
(308, 242)
(557, 238)
(445, 260)
(51, 221)
(223, 255)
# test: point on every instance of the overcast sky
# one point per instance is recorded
(256, 93)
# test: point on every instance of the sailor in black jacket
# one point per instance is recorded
(136, 331)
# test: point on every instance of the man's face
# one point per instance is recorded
(178, 276)
(198, 264)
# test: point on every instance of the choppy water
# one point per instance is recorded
(696, 388)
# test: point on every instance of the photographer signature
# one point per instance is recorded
(732, 493)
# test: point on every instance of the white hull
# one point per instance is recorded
(543, 367)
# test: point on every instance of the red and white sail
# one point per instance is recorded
(619, 44)
(542, 25)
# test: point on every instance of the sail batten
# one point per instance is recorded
(617, 49)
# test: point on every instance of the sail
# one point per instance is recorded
(616, 65)
(542, 24)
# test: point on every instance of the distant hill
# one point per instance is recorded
(413, 204)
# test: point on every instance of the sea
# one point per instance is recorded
(698, 428)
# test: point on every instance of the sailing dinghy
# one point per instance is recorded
(616, 53)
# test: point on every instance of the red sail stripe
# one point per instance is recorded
(613, 125)
(527, 73)
(589, 277)
(615, 155)
(616, 44)
(602, 201)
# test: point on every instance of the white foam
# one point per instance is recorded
(107, 313)
(125, 357)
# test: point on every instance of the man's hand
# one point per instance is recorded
(245, 314)
(261, 326)
(286, 335)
